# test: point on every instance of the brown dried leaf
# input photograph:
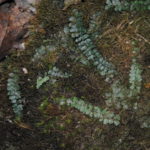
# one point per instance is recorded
(68, 3)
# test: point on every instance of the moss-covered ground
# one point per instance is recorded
(48, 126)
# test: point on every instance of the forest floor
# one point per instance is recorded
(56, 128)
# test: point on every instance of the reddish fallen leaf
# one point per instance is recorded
(23, 125)
(147, 85)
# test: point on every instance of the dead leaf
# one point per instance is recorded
(23, 125)
(147, 85)
(68, 3)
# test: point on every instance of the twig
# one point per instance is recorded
(139, 35)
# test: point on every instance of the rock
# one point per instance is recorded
(4, 17)
(2, 1)
(13, 26)
(14, 19)
(24, 4)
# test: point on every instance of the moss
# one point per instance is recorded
(50, 16)
(74, 130)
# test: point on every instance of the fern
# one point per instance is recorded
(51, 75)
(144, 122)
(40, 81)
(119, 93)
(103, 115)
(94, 25)
(119, 5)
(135, 77)
(14, 94)
(78, 40)
(118, 96)
(87, 47)
(55, 72)
(42, 51)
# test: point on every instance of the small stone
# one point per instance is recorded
(25, 71)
